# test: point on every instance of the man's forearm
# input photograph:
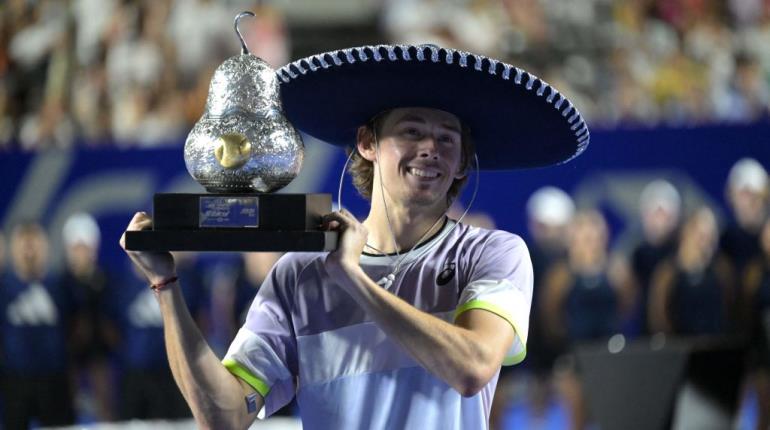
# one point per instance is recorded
(454, 354)
(214, 395)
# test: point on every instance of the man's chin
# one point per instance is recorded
(427, 200)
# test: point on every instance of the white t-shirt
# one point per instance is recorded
(306, 336)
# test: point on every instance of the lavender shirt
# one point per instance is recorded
(306, 336)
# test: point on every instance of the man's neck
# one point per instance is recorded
(409, 225)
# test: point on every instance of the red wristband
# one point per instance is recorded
(159, 286)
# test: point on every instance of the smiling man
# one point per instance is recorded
(407, 323)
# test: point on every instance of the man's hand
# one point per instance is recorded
(350, 244)
(156, 266)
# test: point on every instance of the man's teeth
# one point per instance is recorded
(423, 173)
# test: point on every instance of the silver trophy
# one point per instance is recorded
(243, 142)
(241, 150)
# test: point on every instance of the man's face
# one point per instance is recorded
(419, 155)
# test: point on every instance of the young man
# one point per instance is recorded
(364, 338)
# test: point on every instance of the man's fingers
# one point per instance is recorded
(140, 221)
(340, 217)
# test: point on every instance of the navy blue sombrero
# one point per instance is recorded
(516, 119)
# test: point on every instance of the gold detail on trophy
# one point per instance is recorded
(232, 150)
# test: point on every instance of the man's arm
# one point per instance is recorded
(215, 396)
(466, 355)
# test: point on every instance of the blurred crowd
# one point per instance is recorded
(118, 71)
(642, 62)
(136, 72)
(688, 276)
(83, 343)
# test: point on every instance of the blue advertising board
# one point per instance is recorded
(113, 183)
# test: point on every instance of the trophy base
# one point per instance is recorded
(231, 240)
(236, 222)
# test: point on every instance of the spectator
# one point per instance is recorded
(624, 62)
(34, 330)
(584, 300)
(747, 189)
(659, 207)
(757, 310)
(691, 292)
(2, 254)
(94, 336)
(549, 213)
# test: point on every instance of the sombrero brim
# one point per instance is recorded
(516, 119)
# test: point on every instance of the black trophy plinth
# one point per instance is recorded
(236, 222)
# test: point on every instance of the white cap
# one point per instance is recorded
(81, 228)
(749, 174)
(550, 205)
(660, 194)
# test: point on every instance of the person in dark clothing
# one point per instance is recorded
(757, 318)
(747, 191)
(584, 300)
(549, 212)
(34, 334)
(659, 207)
(692, 292)
(94, 336)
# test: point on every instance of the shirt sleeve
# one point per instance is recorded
(500, 281)
(264, 351)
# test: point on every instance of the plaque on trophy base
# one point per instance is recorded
(236, 222)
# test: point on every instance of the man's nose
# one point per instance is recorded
(428, 148)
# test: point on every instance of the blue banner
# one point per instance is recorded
(114, 183)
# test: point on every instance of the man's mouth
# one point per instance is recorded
(423, 173)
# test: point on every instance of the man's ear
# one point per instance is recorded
(365, 143)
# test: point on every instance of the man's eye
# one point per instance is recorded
(447, 139)
(412, 132)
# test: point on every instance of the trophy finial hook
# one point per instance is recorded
(244, 49)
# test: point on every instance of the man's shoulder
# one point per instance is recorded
(486, 236)
(295, 262)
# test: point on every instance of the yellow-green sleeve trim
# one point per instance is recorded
(236, 369)
(502, 313)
